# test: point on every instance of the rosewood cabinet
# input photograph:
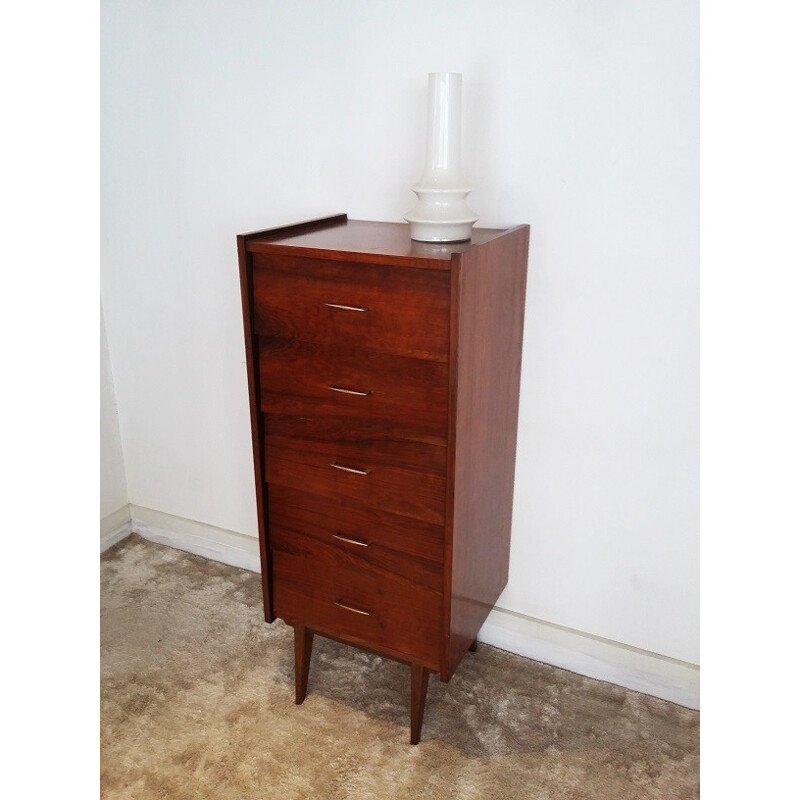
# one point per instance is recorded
(384, 383)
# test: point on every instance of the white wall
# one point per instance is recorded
(113, 488)
(580, 118)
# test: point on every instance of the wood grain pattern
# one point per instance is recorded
(406, 311)
(388, 534)
(253, 383)
(409, 393)
(489, 302)
(341, 555)
(405, 551)
(291, 531)
(307, 465)
(384, 650)
(338, 239)
(358, 440)
(310, 580)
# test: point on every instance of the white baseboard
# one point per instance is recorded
(218, 544)
(603, 659)
(583, 653)
(114, 527)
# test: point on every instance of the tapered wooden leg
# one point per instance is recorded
(474, 646)
(419, 690)
(303, 642)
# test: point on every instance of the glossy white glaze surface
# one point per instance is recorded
(441, 213)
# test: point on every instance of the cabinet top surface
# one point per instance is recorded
(364, 240)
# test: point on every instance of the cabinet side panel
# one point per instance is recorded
(251, 352)
(491, 303)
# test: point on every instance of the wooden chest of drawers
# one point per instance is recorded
(384, 383)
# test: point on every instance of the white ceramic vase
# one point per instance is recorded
(441, 213)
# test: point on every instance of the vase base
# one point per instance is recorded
(430, 231)
(438, 241)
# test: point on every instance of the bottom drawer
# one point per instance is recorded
(323, 589)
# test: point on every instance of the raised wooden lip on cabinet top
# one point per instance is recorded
(341, 239)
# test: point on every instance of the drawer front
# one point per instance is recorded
(355, 441)
(311, 380)
(376, 539)
(374, 475)
(328, 591)
(367, 306)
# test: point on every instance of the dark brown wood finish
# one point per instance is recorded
(245, 243)
(256, 239)
(362, 474)
(489, 306)
(257, 436)
(293, 525)
(419, 690)
(360, 439)
(383, 438)
(333, 591)
(370, 307)
(310, 380)
(340, 239)
(385, 537)
(303, 643)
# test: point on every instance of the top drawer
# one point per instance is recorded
(367, 306)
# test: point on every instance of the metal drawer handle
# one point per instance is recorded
(348, 391)
(350, 469)
(351, 608)
(347, 539)
(345, 308)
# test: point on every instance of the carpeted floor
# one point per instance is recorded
(197, 701)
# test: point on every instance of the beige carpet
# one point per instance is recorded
(197, 702)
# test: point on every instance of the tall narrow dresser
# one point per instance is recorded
(384, 383)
